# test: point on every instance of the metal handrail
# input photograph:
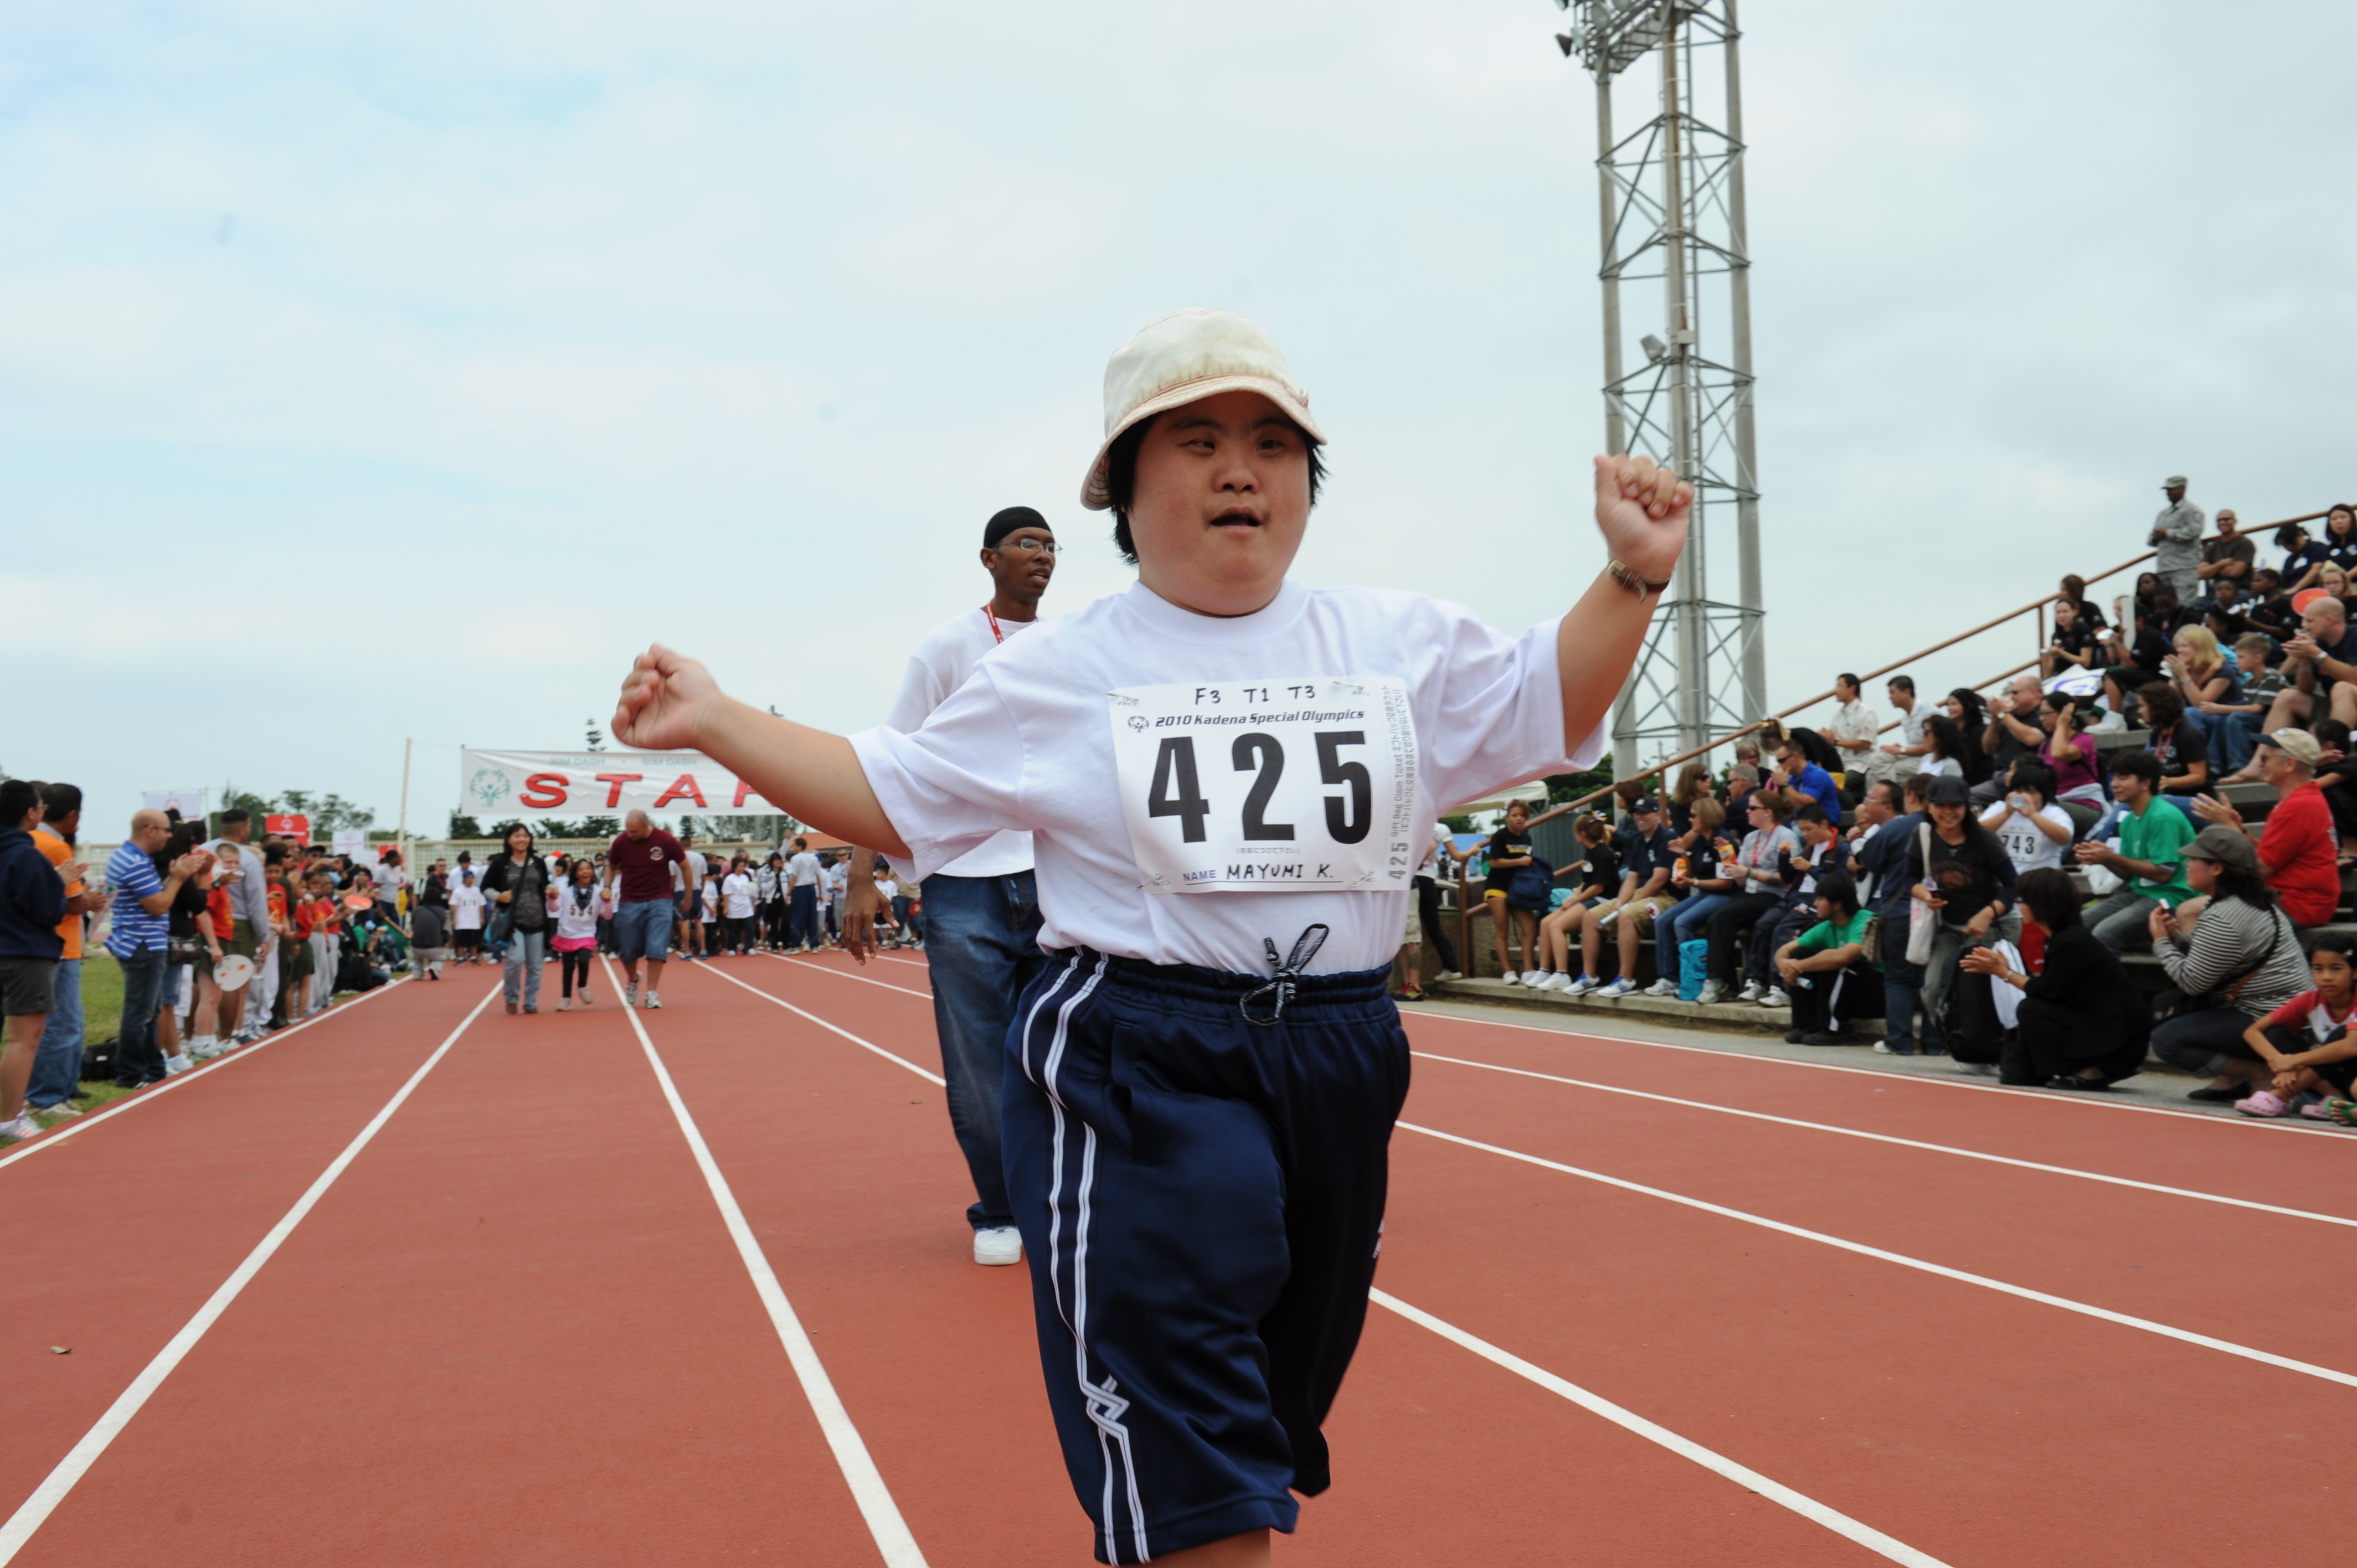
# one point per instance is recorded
(2037, 606)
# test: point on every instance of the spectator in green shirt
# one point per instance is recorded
(2150, 859)
(1827, 970)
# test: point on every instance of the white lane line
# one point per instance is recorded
(1887, 1074)
(911, 962)
(1874, 1540)
(56, 1135)
(84, 1454)
(845, 974)
(1902, 1143)
(865, 1044)
(1942, 1270)
(867, 1483)
(1807, 1507)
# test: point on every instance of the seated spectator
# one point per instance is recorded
(2069, 756)
(2129, 610)
(2012, 733)
(1963, 872)
(1796, 910)
(2336, 546)
(1826, 969)
(2074, 588)
(1742, 779)
(1646, 861)
(1694, 784)
(2233, 948)
(2222, 613)
(2336, 776)
(1897, 760)
(2150, 857)
(1755, 884)
(1853, 727)
(1943, 749)
(2306, 1042)
(1801, 779)
(1882, 860)
(2203, 676)
(2035, 831)
(2298, 852)
(2234, 726)
(2184, 755)
(2083, 1024)
(2073, 645)
(1966, 710)
(2320, 665)
(2302, 556)
(2269, 610)
(2228, 558)
(1703, 889)
(1593, 883)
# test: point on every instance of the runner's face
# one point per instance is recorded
(1221, 502)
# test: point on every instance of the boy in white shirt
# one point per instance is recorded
(466, 918)
(1196, 1147)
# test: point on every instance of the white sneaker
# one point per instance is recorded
(565, 1004)
(1560, 982)
(584, 997)
(175, 1066)
(1751, 992)
(997, 1246)
(24, 1126)
(1511, 978)
(653, 1001)
(1775, 998)
(1580, 987)
(1617, 989)
(631, 994)
(61, 1110)
(1714, 991)
(1536, 979)
(1978, 1069)
(1448, 974)
(204, 1047)
(1662, 988)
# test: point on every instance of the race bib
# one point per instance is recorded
(1305, 783)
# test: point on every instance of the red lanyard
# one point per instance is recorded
(992, 614)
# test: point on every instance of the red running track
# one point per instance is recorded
(516, 1325)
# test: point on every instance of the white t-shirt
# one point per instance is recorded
(1028, 743)
(2031, 850)
(802, 870)
(466, 908)
(577, 911)
(710, 893)
(738, 889)
(1935, 766)
(938, 668)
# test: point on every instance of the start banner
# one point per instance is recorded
(497, 784)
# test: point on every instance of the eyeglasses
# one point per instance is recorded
(1030, 547)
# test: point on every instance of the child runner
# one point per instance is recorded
(466, 918)
(576, 930)
(1226, 775)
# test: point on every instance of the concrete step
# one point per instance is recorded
(1740, 1017)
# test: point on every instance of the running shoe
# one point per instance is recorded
(565, 1004)
(1561, 983)
(1775, 996)
(1894, 1047)
(996, 1246)
(1662, 988)
(1751, 992)
(585, 998)
(631, 994)
(175, 1066)
(1714, 991)
(1617, 989)
(24, 1126)
(60, 1110)
(1511, 978)
(653, 1001)
(1580, 987)
(1448, 974)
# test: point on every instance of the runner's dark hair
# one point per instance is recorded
(1121, 478)
(2049, 897)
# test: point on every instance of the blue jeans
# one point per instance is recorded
(2234, 737)
(528, 951)
(643, 929)
(57, 1070)
(1902, 985)
(802, 917)
(982, 934)
(137, 1057)
(1681, 923)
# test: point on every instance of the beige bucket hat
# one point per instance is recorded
(1185, 357)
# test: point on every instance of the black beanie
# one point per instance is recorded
(1003, 523)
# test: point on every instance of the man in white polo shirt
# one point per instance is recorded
(982, 911)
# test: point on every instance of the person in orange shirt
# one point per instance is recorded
(56, 1068)
(327, 923)
(217, 927)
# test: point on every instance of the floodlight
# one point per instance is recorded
(1655, 349)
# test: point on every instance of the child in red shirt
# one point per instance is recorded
(2307, 1040)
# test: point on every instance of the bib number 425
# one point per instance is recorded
(1177, 791)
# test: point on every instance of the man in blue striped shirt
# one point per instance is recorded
(143, 900)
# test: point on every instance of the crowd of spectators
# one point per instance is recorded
(1970, 878)
(223, 941)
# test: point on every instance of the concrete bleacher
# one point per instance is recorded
(1482, 983)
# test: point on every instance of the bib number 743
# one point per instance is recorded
(1304, 783)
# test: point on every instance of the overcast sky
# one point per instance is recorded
(372, 372)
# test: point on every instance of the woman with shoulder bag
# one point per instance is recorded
(517, 884)
(2234, 956)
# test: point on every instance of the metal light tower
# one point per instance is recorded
(1670, 193)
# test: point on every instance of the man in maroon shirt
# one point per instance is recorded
(2299, 851)
(642, 857)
